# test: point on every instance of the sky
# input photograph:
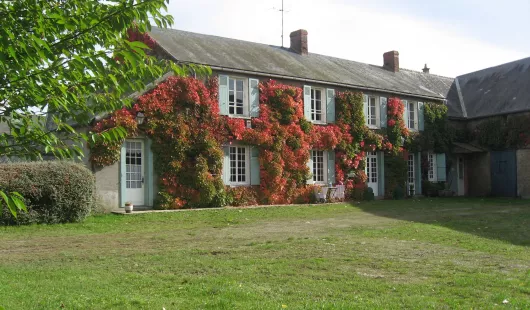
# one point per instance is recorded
(452, 37)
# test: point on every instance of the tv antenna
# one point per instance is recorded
(281, 10)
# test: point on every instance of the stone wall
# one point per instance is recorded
(523, 173)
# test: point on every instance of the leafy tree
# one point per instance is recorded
(62, 62)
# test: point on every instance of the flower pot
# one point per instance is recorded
(129, 208)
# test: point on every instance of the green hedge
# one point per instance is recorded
(54, 191)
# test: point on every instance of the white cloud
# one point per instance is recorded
(345, 31)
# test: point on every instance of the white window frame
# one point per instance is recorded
(376, 117)
(431, 171)
(411, 173)
(324, 167)
(370, 158)
(414, 119)
(323, 105)
(246, 165)
(246, 101)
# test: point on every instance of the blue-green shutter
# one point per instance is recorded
(440, 168)
(307, 102)
(254, 166)
(149, 173)
(223, 94)
(381, 173)
(421, 122)
(310, 166)
(383, 113)
(331, 167)
(365, 108)
(226, 165)
(406, 113)
(122, 199)
(417, 177)
(253, 95)
(330, 105)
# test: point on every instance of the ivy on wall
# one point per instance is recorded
(188, 150)
(504, 133)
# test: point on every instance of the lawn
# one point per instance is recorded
(439, 253)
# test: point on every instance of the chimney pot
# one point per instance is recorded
(299, 42)
(425, 69)
(391, 61)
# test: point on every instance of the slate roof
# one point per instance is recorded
(497, 90)
(274, 60)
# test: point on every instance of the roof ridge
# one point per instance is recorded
(427, 74)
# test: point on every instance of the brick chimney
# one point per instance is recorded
(426, 69)
(299, 41)
(391, 61)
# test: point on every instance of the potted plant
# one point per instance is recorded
(129, 207)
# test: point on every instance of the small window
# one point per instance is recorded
(319, 166)
(410, 172)
(412, 115)
(318, 106)
(237, 97)
(239, 165)
(431, 159)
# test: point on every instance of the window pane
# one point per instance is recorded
(239, 85)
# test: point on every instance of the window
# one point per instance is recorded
(237, 97)
(371, 118)
(133, 164)
(410, 173)
(239, 165)
(412, 115)
(319, 166)
(431, 159)
(317, 105)
(460, 168)
(371, 167)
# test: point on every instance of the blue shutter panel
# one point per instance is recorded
(440, 167)
(226, 165)
(406, 113)
(254, 166)
(381, 173)
(382, 109)
(330, 105)
(310, 166)
(417, 177)
(421, 122)
(331, 167)
(223, 94)
(253, 95)
(365, 108)
(307, 102)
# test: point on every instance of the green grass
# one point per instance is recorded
(439, 253)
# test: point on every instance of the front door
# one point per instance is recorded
(460, 174)
(371, 172)
(134, 172)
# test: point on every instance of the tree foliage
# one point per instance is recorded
(64, 62)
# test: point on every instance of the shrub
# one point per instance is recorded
(54, 191)
(368, 194)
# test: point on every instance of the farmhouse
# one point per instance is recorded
(460, 163)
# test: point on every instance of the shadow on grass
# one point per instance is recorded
(493, 218)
